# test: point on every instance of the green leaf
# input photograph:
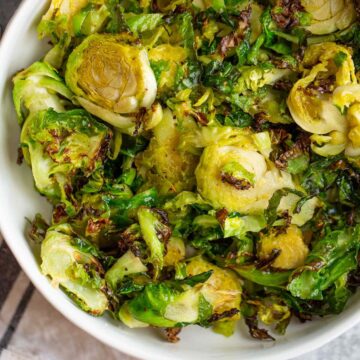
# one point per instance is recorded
(142, 22)
(265, 278)
(196, 279)
(339, 58)
(205, 309)
(298, 164)
(271, 211)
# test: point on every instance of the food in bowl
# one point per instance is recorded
(202, 159)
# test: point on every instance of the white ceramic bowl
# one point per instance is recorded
(18, 199)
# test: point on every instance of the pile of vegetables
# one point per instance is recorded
(202, 159)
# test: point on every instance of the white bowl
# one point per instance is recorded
(18, 200)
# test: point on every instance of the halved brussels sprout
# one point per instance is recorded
(328, 145)
(163, 164)
(67, 19)
(206, 291)
(79, 273)
(60, 145)
(313, 110)
(293, 250)
(328, 16)
(332, 256)
(39, 87)
(237, 179)
(222, 290)
(112, 80)
(58, 18)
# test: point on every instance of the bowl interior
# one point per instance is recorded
(18, 201)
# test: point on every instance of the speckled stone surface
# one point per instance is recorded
(345, 347)
(42, 346)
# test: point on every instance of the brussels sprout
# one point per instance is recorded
(233, 191)
(253, 77)
(273, 104)
(181, 211)
(58, 18)
(168, 304)
(112, 80)
(68, 18)
(123, 206)
(238, 226)
(346, 95)
(79, 273)
(273, 310)
(300, 208)
(328, 16)
(91, 19)
(353, 116)
(175, 251)
(163, 164)
(128, 264)
(332, 256)
(222, 290)
(314, 113)
(139, 23)
(349, 96)
(39, 87)
(74, 18)
(328, 145)
(262, 277)
(156, 234)
(59, 146)
(208, 292)
(293, 250)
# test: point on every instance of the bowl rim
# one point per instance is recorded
(68, 309)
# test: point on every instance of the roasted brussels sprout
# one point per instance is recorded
(328, 16)
(67, 20)
(156, 234)
(79, 273)
(128, 264)
(39, 87)
(205, 294)
(222, 290)
(59, 146)
(112, 80)
(163, 163)
(348, 99)
(293, 250)
(331, 257)
(311, 108)
(237, 179)
(73, 18)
